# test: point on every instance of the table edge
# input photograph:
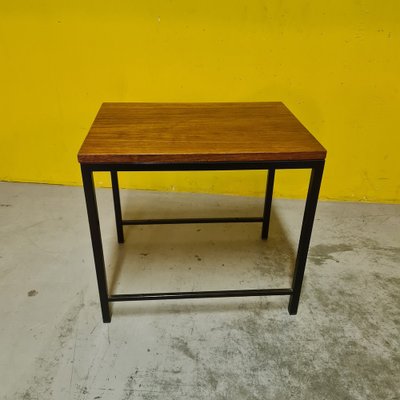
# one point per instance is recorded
(201, 158)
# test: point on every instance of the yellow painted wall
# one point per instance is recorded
(336, 65)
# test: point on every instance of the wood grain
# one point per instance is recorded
(197, 132)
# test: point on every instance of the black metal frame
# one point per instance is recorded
(316, 166)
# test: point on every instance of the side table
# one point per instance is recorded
(198, 137)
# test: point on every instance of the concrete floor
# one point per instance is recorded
(343, 344)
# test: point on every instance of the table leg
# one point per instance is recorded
(305, 236)
(93, 215)
(267, 204)
(117, 206)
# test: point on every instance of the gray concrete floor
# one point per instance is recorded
(343, 344)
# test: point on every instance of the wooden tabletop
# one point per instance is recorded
(197, 132)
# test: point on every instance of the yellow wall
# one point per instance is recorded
(336, 65)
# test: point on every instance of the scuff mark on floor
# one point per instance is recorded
(46, 365)
(182, 346)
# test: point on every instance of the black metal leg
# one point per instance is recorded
(117, 206)
(305, 236)
(91, 205)
(267, 204)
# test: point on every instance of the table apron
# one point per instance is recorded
(204, 166)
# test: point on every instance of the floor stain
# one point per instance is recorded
(128, 389)
(322, 253)
(182, 346)
(27, 396)
(32, 293)
(391, 253)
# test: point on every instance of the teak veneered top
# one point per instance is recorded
(197, 132)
